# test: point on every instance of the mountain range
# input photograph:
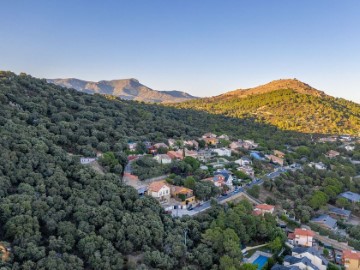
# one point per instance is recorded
(288, 104)
(129, 89)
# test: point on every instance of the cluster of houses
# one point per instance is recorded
(222, 178)
(178, 150)
(304, 255)
(329, 220)
(341, 138)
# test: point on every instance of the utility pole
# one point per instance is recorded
(185, 235)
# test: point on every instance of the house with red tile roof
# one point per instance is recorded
(332, 154)
(301, 237)
(185, 195)
(261, 209)
(159, 190)
(176, 154)
(351, 259)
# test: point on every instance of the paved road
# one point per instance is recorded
(282, 170)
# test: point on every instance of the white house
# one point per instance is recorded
(224, 152)
(86, 160)
(163, 159)
(244, 161)
(301, 237)
(160, 191)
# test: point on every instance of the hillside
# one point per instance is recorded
(129, 89)
(58, 214)
(287, 104)
(293, 84)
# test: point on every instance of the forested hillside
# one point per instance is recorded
(287, 104)
(58, 214)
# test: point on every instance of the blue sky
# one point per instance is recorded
(203, 47)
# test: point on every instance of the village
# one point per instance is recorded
(228, 170)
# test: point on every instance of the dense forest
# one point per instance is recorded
(288, 110)
(58, 214)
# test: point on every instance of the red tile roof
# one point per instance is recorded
(266, 207)
(156, 186)
(351, 254)
(304, 232)
(173, 154)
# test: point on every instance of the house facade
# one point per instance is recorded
(351, 259)
(160, 191)
(301, 237)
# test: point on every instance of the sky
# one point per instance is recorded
(203, 47)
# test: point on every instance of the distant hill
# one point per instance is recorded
(293, 84)
(129, 89)
(288, 104)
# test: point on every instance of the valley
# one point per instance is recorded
(216, 177)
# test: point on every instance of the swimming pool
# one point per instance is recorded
(260, 261)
